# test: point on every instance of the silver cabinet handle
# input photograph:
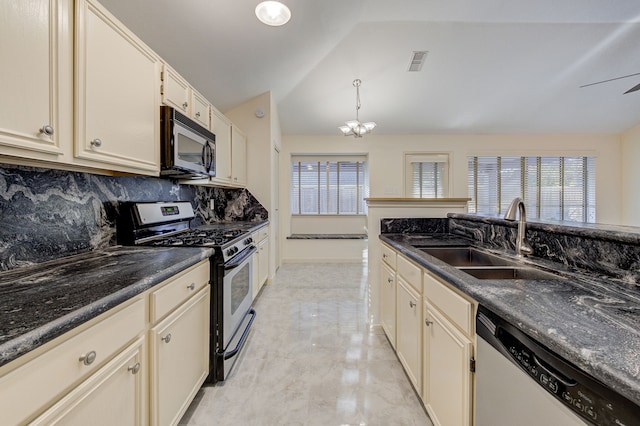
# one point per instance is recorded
(47, 130)
(384, 255)
(96, 143)
(166, 338)
(88, 358)
(412, 304)
(134, 368)
(192, 286)
(389, 280)
(185, 105)
(427, 322)
(198, 114)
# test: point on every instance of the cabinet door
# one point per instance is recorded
(175, 90)
(114, 395)
(36, 67)
(388, 302)
(238, 157)
(117, 96)
(200, 109)
(263, 262)
(179, 359)
(408, 335)
(447, 375)
(221, 126)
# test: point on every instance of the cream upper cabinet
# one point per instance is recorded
(175, 90)
(178, 93)
(117, 117)
(221, 127)
(200, 109)
(238, 157)
(35, 83)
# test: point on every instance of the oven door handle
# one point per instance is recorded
(245, 333)
(240, 258)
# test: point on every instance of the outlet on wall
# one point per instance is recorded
(212, 204)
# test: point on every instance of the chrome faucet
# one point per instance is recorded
(522, 246)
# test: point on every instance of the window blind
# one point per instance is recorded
(322, 186)
(556, 188)
(429, 175)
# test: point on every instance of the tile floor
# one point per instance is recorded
(311, 359)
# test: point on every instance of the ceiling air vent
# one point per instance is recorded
(417, 60)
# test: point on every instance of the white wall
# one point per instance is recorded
(631, 177)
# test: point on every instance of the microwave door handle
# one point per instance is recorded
(212, 157)
(203, 154)
(209, 164)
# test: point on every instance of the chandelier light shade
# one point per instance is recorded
(273, 13)
(354, 127)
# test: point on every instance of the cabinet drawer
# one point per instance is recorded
(177, 290)
(411, 273)
(388, 255)
(29, 388)
(452, 305)
(263, 233)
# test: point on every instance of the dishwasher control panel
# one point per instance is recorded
(583, 394)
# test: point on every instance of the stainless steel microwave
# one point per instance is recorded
(187, 149)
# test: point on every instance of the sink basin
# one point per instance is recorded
(509, 273)
(466, 256)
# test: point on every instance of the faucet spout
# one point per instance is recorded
(522, 246)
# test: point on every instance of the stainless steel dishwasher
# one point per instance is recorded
(520, 382)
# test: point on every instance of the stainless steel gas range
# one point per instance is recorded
(165, 224)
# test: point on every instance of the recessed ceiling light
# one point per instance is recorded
(273, 13)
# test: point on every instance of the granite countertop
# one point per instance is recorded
(236, 225)
(41, 302)
(591, 321)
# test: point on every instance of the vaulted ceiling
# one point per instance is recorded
(493, 66)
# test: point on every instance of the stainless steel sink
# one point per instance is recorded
(466, 256)
(487, 266)
(510, 273)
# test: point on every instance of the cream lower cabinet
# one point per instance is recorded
(408, 336)
(448, 353)
(117, 123)
(447, 375)
(179, 359)
(388, 302)
(121, 383)
(260, 259)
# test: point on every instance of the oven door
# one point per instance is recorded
(235, 314)
(237, 292)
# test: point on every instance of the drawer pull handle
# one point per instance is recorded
(47, 130)
(135, 368)
(389, 280)
(427, 322)
(88, 358)
(198, 114)
(384, 255)
(166, 338)
(96, 143)
(185, 105)
(412, 304)
(192, 286)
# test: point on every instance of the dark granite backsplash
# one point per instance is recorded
(47, 214)
(602, 250)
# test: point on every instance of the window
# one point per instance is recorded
(555, 188)
(427, 175)
(328, 185)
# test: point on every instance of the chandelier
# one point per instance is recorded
(354, 127)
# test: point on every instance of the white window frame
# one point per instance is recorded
(442, 158)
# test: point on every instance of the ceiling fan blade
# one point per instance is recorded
(633, 89)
